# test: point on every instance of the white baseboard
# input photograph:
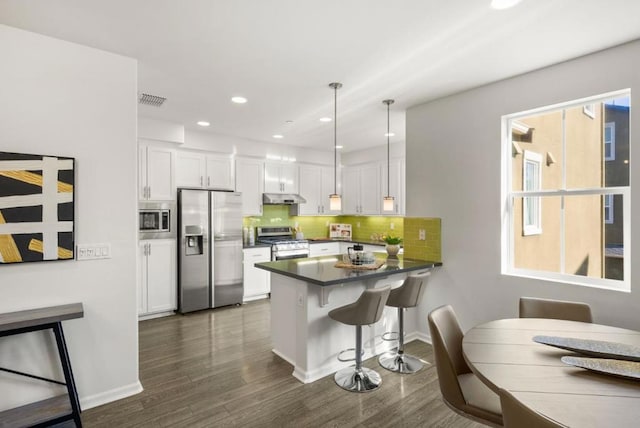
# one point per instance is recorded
(423, 337)
(109, 396)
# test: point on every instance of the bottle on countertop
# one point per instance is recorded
(252, 237)
(245, 236)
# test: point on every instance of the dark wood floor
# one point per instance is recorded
(216, 369)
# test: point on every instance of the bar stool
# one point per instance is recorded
(364, 311)
(406, 296)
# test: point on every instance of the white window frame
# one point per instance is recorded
(509, 196)
(531, 205)
(612, 143)
(608, 214)
(589, 110)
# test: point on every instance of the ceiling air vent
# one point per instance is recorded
(152, 100)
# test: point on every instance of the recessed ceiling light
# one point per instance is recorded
(504, 4)
(390, 134)
(325, 119)
(239, 100)
(203, 123)
(288, 122)
(278, 136)
(339, 147)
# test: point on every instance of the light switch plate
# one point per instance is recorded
(93, 251)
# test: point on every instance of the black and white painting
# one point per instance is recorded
(36, 208)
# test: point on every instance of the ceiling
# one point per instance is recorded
(282, 54)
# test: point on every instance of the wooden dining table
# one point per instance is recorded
(503, 355)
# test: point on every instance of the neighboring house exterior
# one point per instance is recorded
(616, 167)
(537, 164)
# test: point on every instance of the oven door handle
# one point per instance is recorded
(293, 256)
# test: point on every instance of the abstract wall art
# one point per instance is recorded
(36, 208)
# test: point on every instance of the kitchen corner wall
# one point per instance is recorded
(365, 228)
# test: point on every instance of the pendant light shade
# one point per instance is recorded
(335, 201)
(388, 202)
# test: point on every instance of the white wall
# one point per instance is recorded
(64, 99)
(454, 172)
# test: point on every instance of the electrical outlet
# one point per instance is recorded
(391, 226)
(300, 300)
(422, 235)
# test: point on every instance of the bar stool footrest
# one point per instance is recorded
(346, 360)
(390, 336)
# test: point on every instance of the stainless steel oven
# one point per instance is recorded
(156, 220)
(283, 244)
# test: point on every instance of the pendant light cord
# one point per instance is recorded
(388, 179)
(335, 140)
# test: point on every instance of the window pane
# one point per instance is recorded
(584, 148)
(542, 134)
(613, 240)
(616, 118)
(538, 251)
(584, 240)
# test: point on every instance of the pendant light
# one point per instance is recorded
(335, 201)
(388, 201)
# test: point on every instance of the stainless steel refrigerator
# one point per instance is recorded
(209, 250)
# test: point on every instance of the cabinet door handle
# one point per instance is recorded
(208, 181)
(201, 181)
(149, 248)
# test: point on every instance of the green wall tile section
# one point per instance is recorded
(365, 228)
(431, 247)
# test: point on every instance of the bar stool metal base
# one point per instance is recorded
(363, 380)
(400, 363)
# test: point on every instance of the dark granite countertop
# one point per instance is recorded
(348, 241)
(322, 271)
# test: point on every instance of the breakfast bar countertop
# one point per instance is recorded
(322, 271)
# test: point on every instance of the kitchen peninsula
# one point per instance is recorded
(303, 291)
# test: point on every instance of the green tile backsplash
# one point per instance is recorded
(365, 228)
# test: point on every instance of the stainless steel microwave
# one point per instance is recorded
(155, 220)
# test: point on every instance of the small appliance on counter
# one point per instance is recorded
(340, 231)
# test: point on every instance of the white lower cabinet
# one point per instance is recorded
(257, 282)
(324, 249)
(157, 289)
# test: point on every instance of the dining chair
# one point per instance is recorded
(461, 389)
(517, 415)
(533, 307)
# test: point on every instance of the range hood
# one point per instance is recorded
(282, 199)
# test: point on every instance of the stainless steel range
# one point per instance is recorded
(283, 243)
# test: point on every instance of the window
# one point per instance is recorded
(589, 110)
(610, 141)
(559, 179)
(608, 208)
(531, 206)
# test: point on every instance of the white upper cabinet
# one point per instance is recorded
(396, 185)
(205, 171)
(361, 189)
(155, 173)
(316, 184)
(250, 181)
(280, 178)
(221, 173)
